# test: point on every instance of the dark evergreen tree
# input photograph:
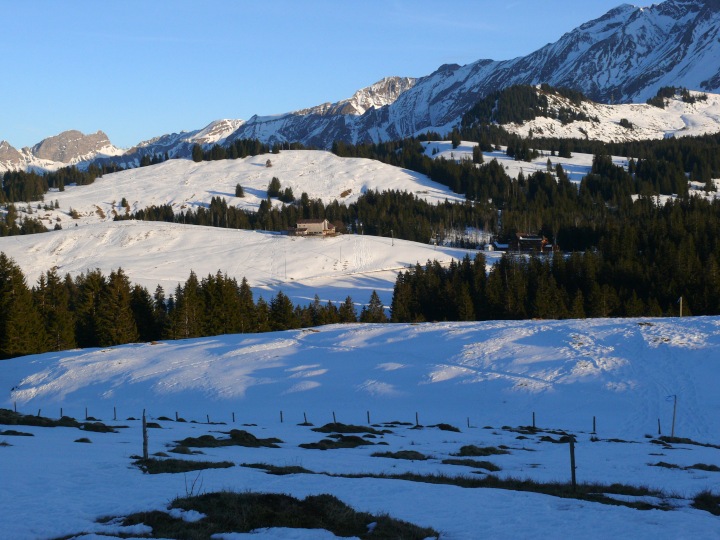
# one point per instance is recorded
(53, 301)
(347, 311)
(21, 327)
(115, 318)
(374, 312)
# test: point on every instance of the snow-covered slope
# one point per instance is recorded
(187, 185)
(483, 378)
(157, 253)
(642, 121)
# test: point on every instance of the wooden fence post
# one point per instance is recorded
(572, 463)
(145, 436)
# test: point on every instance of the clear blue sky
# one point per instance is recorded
(138, 69)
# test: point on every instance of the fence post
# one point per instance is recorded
(572, 463)
(145, 436)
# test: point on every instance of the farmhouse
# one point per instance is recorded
(312, 227)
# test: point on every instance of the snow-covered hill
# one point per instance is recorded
(628, 122)
(185, 184)
(486, 379)
(157, 253)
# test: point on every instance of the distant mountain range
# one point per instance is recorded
(623, 57)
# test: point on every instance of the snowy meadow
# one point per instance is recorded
(431, 424)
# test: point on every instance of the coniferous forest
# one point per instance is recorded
(95, 310)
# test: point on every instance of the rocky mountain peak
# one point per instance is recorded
(71, 146)
(379, 94)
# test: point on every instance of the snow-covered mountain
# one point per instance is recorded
(696, 114)
(624, 56)
(67, 148)
(180, 144)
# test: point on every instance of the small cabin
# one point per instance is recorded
(530, 243)
(312, 227)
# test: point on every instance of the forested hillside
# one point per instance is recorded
(95, 310)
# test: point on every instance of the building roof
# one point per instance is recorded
(309, 221)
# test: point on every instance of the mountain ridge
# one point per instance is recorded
(624, 57)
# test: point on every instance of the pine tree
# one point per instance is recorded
(197, 153)
(21, 327)
(116, 321)
(53, 301)
(86, 302)
(374, 312)
(347, 311)
(246, 310)
(143, 309)
(282, 313)
(187, 317)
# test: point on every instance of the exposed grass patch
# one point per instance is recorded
(184, 450)
(480, 451)
(666, 465)
(340, 441)
(13, 433)
(238, 437)
(97, 427)
(243, 512)
(278, 470)
(446, 427)
(337, 427)
(704, 467)
(478, 464)
(411, 455)
(11, 418)
(697, 466)
(708, 501)
(158, 466)
(682, 440)
(5, 443)
(564, 439)
(83, 440)
(588, 492)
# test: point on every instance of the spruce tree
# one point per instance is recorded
(374, 312)
(116, 320)
(347, 311)
(53, 300)
(21, 327)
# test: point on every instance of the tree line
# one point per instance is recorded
(95, 310)
(389, 213)
(641, 267)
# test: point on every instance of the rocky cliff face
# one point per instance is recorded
(9, 156)
(73, 147)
